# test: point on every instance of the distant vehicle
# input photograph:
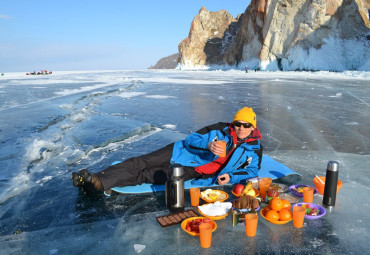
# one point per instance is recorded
(42, 72)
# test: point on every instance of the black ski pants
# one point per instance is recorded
(149, 168)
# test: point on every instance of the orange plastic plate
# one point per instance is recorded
(184, 222)
(212, 201)
(255, 190)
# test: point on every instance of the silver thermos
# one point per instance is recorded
(175, 193)
(331, 180)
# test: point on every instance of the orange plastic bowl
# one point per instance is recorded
(277, 222)
(219, 217)
(321, 187)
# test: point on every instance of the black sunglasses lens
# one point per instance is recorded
(245, 125)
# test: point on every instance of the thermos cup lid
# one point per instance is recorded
(176, 170)
(333, 166)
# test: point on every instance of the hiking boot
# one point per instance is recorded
(89, 183)
(81, 178)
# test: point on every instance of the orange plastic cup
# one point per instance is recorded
(321, 186)
(298, 216)
(223, 144)
(308, 194)
(205, 234)
(194, 196)
(264, 183)
(251, 221)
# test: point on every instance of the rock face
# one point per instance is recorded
(210, 32)
(282, 34)
(169, 62)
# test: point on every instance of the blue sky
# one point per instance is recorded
(95, 34)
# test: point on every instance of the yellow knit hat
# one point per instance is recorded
(246, 114)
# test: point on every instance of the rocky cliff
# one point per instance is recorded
(282, 34)
(169, 62)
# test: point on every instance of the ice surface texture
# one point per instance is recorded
(51, 126)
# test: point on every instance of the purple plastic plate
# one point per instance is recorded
(320, 208)
(294, 187)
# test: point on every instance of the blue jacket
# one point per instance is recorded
(243, 164)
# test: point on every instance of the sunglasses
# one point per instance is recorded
(239, 124)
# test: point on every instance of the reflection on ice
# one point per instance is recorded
(52, 127)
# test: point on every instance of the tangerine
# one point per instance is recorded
(285, 214)
(267, 207)
(272, 215)
(276, 204)
(286, 204)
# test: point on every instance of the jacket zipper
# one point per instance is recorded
(240, 157)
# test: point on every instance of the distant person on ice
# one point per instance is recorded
(246, 68)
(198, 154)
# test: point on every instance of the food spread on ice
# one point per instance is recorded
(247, 203)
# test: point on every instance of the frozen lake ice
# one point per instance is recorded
(53, 125)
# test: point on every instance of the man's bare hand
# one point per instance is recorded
(223, 179)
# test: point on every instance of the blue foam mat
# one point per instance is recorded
(269, 168)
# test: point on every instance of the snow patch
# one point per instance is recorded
(131, 94)
(44, 179)
(169, 126)
(78, 117)
(160, 96)
(139, 247)
(337, 95)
